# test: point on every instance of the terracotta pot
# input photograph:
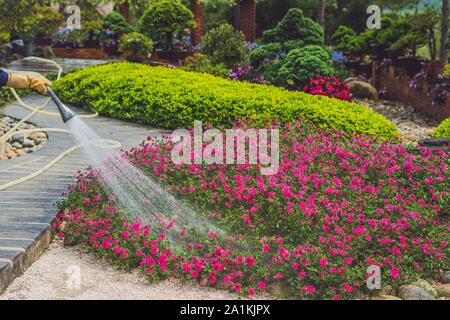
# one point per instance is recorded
(433, 69)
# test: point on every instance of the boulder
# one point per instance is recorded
(444, 290)
(411, 292)
(361, 89)
(426, 286)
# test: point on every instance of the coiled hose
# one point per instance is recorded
(40, 110)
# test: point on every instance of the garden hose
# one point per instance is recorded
(39, 110)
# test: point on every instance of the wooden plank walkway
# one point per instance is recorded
(27, 210)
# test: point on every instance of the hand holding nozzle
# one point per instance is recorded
(28, 81)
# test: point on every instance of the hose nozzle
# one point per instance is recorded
(66, 113)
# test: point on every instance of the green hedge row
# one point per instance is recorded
(443, 130)
(173, 98)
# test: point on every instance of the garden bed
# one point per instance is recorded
(338, 205)
(80, 53)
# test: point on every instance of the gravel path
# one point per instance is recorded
(53, 277)
(412, 125)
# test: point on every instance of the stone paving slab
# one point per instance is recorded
(27, 210)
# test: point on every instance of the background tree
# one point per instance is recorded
(443, 56)
(321, 13)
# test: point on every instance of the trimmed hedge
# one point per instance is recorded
(443, 130)
(174, 98)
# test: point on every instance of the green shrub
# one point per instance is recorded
(43, 22)
(202, 64)
(341, 37)
(265, 53)
(163, 18)
(224, 45)
(173, 98)
(135, 46)
(302, 64)
(116, 23)
(443, 130)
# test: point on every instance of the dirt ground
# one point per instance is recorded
(69, 273)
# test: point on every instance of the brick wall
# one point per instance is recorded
(247, 19)
(396, 82)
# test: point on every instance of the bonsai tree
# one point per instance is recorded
(224, 45)
(293, 32)
(164, 18)
(295, 27)
(116, 24)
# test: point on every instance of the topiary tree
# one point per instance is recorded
(224, 45)
(164, 18)
(303, 64)
(295, 26)
(116, 23)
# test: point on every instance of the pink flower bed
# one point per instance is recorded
(338, 205)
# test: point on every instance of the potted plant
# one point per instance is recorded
(161, 21)
(433, 69)
(114, 26)
(135, 47)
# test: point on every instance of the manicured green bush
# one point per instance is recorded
(303, 64)
(443, 130)
(224, 45)
(164, 18)
(135, 46)
(173, 98)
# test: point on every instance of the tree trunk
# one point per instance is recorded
(124, 10)
(321, 13)
(443, 54)
(169, 41)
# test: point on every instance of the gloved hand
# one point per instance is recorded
(28, 81)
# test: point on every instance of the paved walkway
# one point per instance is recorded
(27, 210)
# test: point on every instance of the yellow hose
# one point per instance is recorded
(39, 110)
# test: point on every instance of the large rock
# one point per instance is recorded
(361, 89)
(426, 286)
(410, 292)
(444, 290)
